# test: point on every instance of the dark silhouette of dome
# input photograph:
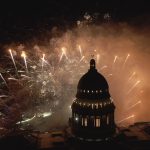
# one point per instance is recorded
(93, 109)
(92, 85)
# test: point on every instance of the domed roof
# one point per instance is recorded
(92, 85)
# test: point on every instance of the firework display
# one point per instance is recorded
(39, 81)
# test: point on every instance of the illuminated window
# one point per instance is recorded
(107, 120)
(96, 91)
(92, 91)
(96, 106)
(85, 122)
(84, 91)
(82, 121)
(92, 106)
(88, 91)
(101, 104)
(97, 122)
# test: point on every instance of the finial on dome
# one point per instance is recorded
(92, 64)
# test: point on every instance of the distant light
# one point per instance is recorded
(76, 118)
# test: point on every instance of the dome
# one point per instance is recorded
(92, 85)
(93, 109)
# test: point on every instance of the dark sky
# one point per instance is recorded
(71, 9)
(24, 18)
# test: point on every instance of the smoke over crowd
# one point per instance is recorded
(39, 91)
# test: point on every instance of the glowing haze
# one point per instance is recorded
(49, 72)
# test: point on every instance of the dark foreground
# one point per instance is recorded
(135, 137)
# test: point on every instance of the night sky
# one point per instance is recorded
(73, 8)
(20, 17)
